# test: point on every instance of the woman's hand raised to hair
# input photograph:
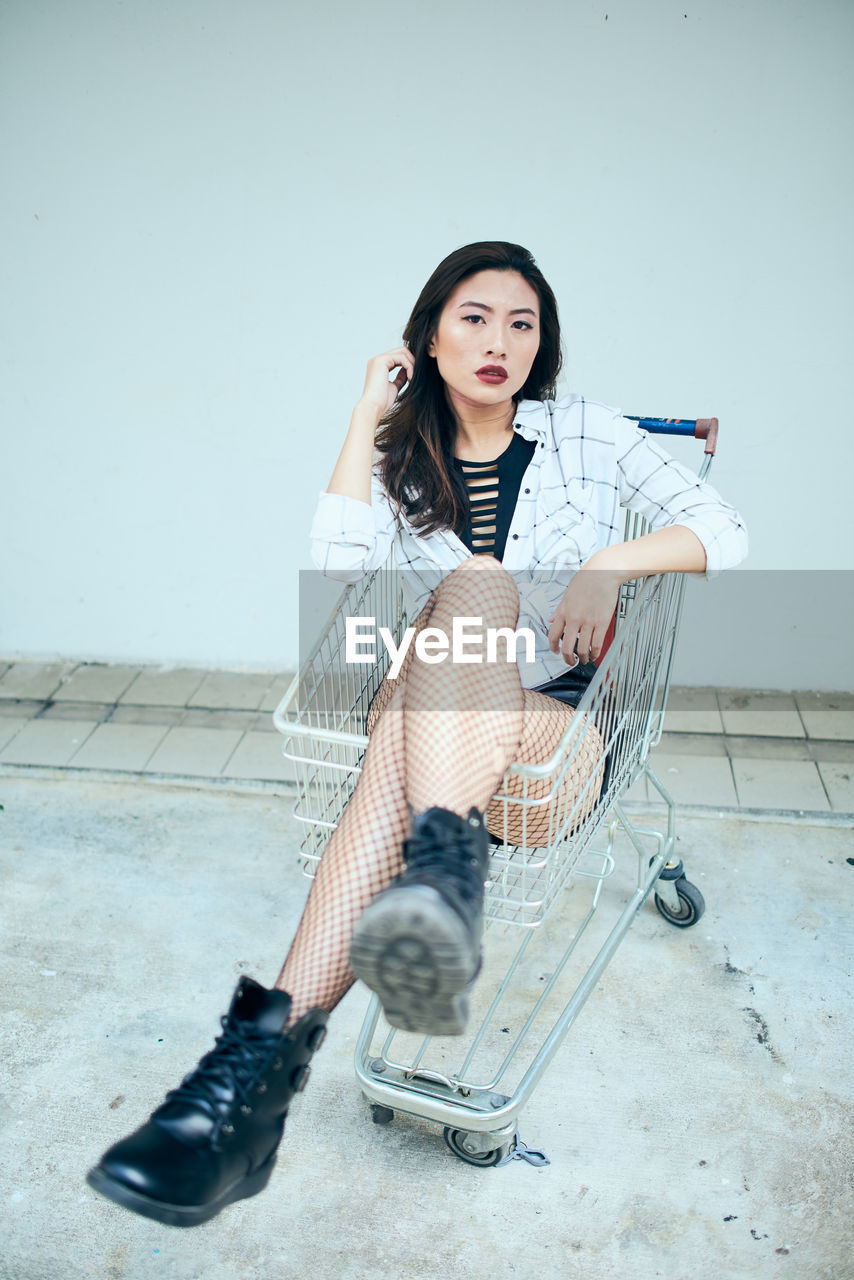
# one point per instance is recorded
(352, 474)
(381, 390)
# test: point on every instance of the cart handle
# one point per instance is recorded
(700, 428)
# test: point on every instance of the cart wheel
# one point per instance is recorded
(381, 1114)
(455, 1141)
(691, 904)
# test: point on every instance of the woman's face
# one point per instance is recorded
(487, 338)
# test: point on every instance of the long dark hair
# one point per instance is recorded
(416, 436)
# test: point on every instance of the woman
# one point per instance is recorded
(458, 462)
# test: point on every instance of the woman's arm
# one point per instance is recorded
(353, 526)
(584, 614)
(694, 531)
(668, 494)
(671, 550)
(352, 475)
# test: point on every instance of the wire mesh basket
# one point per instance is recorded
(324, 714)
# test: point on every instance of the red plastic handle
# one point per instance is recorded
(707, 429)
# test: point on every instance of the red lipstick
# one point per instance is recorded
(492, 373)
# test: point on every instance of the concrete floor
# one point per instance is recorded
(698, 1117)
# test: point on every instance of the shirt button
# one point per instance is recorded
(515, 537)
(527, 490)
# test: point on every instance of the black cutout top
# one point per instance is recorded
(493, 490)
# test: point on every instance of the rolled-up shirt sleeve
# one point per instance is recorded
(349, 537)
(668, 493)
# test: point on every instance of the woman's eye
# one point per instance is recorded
(517, 324)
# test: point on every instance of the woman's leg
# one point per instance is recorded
(463, 720)
(418, 943)
(214, 1139)
(442, 743)
(550, 805)
(362, 857)
(443, 740)
(545, 720)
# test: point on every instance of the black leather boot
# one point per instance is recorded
(418, 943)
(214, 1139)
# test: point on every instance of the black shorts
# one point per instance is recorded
(570, 686)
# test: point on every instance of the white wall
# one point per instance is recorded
(215, 212)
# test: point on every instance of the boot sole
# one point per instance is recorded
(179, 1215)
(414, 951)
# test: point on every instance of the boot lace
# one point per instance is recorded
(444, 857)
(225, 1074)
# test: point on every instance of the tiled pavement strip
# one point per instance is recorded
(728, 749)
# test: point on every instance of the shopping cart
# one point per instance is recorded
(545, 948)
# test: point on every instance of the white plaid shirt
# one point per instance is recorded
(589, 461)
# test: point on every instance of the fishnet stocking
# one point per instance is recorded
(363, 855)
(441, 734)
(463, 721)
